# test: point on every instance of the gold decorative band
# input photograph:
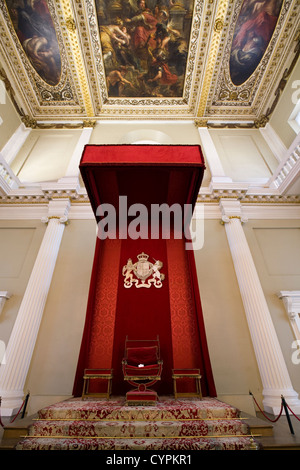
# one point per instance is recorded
(215, 42)
(71, 27)
(139, 419)
(143, 437)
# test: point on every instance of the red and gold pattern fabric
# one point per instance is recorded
(188, 424)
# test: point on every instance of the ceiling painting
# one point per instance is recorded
(215, 62)
(145, 46)
(254, 29)
(34, 27)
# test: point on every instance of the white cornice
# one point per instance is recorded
(31, 201)
(83, 211)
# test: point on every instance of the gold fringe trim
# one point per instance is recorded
(145, 437)
(137, 420)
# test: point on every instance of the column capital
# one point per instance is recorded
(291, 300)
(231, 209)
(4, 295)
(58, 209)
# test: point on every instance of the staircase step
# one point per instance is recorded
(100, 428)
(94, 424)
(165, 409)
(220, 443)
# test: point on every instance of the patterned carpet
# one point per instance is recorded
(98, 424)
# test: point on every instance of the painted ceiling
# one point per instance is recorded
(215, 62)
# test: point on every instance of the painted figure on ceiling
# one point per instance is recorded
(34, 27)
(253, 33)
(150, 26)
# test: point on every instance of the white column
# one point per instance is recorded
(273, 371)
(24, 334)
(212, 157)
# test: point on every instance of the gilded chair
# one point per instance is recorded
(142, 368)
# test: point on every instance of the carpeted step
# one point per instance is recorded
(110, 428)
(220, 443)
(98, 424)
(165, 409)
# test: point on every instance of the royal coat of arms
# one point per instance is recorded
(143, 273)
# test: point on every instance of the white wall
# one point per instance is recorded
(19, 244)
(45, 155)
(9, 119)
(244, 154)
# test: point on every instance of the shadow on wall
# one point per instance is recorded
(146, 136)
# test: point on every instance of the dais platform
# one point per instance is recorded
(99, 424)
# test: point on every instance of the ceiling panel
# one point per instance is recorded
(212, 61)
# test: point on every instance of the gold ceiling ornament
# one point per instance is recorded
(201, 122)
(70, 23)
(215, 43)
(219, 25)
(231, 125)
(79, 62)
(89, 123)
(65, 125)
(261, 121)
(29, 121)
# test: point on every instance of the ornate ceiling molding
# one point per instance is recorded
(74, 42)
(209, 96)
(250, 100)
(77, 195)
(35, 91)
(213, 53)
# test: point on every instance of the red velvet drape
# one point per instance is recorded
(143, 313)
(146, 175)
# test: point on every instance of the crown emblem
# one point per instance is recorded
(143, 273)
(142, 257)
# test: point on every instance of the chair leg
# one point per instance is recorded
(175, 388)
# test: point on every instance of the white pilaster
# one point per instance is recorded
(274, 142)
(73, 167)
(14, 144)
(216, 169)
(273, 371)
(24, 334)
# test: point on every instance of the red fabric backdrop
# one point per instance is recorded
(146, 175)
